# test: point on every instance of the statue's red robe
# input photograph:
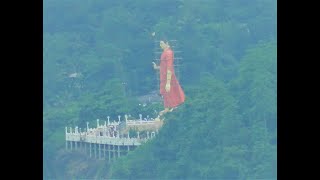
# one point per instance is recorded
(175, 96)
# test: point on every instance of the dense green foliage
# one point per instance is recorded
(97, 61)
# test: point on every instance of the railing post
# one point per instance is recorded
(87, 126)
(126, 117)
(140, 115)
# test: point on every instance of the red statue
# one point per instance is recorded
(170, 88)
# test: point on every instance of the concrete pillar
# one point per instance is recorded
(104, 150)
(108, 120)
(90, 148)
(95, 150)
(99, 152)
(83, 146)
(118, 151)
(114, 153)
(109, 153)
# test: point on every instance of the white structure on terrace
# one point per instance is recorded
(113, 138)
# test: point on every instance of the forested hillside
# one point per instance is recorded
(98, 60)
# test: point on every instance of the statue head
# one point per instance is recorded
(164, 44)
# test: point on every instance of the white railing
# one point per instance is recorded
(102, 133)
